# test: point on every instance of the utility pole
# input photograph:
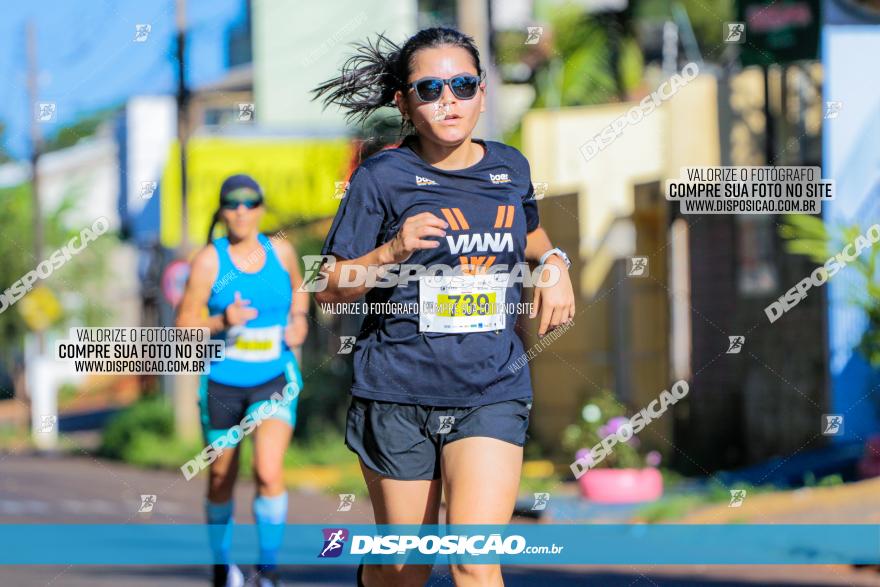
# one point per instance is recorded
(184, 386)
(182, 119)
(38, 367)
(36, 148)
(474, 19)
(769, 120)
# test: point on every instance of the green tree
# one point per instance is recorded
(4, 154)
(69, 135)
(595, 59)
(81, 278)
(810, 236)
(706, 17)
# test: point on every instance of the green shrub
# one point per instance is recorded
(718, 493)
(328, 448)
(151, 418)
(602, 416)
(827, 481)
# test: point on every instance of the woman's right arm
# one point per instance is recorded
(410, 238)
(191, 313)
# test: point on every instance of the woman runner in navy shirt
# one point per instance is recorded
(439, 400)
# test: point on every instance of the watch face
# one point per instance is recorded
(564, 257)
(559, 253)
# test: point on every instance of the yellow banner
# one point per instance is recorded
(298, 177)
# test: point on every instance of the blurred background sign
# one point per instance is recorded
(603, 5)
(780, 32)
(851, 11)
(40, 308)
(174, 281)
(298, 177)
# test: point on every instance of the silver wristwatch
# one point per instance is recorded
(556, 251)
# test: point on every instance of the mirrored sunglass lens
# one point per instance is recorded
(429, 89)
(464, 86)
(233, 204)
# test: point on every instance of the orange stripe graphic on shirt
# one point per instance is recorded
(509, 222)
(449, 218)
(504, 217)
(475, 265)
(461, 220)
(499, 217)
(455, 218)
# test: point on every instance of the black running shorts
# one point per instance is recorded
(403, 441)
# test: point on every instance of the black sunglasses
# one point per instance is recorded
(429, 89)
(234, 204)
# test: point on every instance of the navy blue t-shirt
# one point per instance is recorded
(393, 360)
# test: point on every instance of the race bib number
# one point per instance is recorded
(462, 303)
(253, 344)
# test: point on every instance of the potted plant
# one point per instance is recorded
(624, 475)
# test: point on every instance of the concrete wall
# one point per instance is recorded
(614, 200)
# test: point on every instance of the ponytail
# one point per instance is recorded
(368, 82)
(371, 77)
(214, 220)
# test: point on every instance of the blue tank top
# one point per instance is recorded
(255, 351)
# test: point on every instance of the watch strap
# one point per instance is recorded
(553, 251)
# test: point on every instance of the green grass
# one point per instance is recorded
(671, 508)
(678, 506)
(13, 437)
(539, 484)
(720, 494)
(327, 449)
(827, 481)
(350, 483)
(66, 393)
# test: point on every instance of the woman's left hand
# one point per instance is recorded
(296, 331)
(554, 302)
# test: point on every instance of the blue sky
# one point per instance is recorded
(88, 59)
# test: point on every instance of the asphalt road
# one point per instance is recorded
(41, 490)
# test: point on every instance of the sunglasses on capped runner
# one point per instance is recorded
(234, 204)
(429, 89)
(243, 196)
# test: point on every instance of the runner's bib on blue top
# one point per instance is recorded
(256, 351)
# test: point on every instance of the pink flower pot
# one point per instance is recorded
(869, 464)
(621, 485)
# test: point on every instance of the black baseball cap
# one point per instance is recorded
(240, 187)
